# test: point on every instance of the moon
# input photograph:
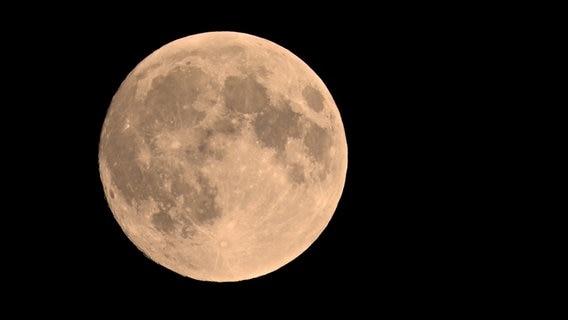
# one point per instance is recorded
(222, 156)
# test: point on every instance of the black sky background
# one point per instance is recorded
(395, 77)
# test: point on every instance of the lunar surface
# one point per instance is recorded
(223, 156)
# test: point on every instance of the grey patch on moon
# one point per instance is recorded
(126, 175)
(228, 123)
(244, 95)
(167, 103)
(202, 205)
(296, 173)
(274, 126)
(318, 142)
(179, 86)
(202, 153)
(314, 98)
(149, 183)
(227, 126)
(163, 222)
(205, 148)
(140, 184)
(210, 152)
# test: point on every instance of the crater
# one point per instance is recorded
(314, 98)
(244, 95)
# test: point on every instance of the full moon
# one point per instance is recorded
(222, 156)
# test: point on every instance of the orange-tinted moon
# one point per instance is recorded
(222, 156)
